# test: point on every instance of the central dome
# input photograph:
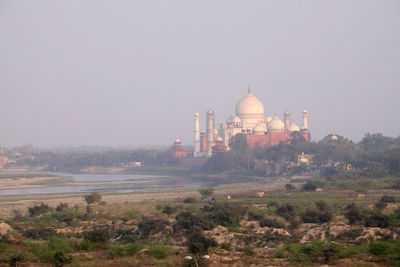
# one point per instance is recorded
(250, 110)
(249, 105)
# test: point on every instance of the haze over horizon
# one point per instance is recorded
(116, 73)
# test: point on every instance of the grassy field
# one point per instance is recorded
(283, 227)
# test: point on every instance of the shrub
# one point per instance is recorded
(97, 235)
(286, 211)
(309, 186)
(226, 214)
(387, 199)
(248, 250)
(39, 233)
(92, 198)
(189, 221)
(379, 248)
(18, 256)
(272, 203)
(321, 214)
(227, 246)
(375, 219)
(255, 214)
(134, 215)
(189, 200)
(38, 209)
(205, 192)
(159, 251)
(168, 209)
(199, 243)
(290, 187)
(271, 222)
(55, 252)
(61, 206)
(119, 250)
(86, 245)
(149, 226)
(353, 213)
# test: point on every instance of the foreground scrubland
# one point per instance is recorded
(289, 225)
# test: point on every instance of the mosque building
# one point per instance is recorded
(249, 119)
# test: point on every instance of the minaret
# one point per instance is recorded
(287, 120)
(305, 119)
(210, 131)
(196, 135)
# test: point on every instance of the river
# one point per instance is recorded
(112, 183)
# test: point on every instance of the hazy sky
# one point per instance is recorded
(134, 72)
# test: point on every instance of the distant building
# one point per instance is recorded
(249, 119)
(179, 151)
(305, 158)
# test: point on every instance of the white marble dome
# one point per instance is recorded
(293, 127)
(276, 124)
(250, 110)
(249, 105)
(267, 119)
(234, 119)
(260, 129)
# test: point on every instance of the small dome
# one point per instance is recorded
(234, 119)
(219, 139)
(293, 127)
(267, 119)
(276, 124)
(249, 105)
(260, 129)
(178, 141)
(334, 138)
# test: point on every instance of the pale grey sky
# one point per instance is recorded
(134, 72)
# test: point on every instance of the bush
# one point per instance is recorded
(309, 186)
(375, 219)
(321, 214)
(86, 245)
(18, 256)
(353, 213)
(271, 222)
(119, 250)
(61, 206)
(92, 198)
(387, 199)
(190, 221)
(189, 200)
(226, 214)
(39, 233)
(97, 235)
(205, 192)
(386, 251)
(159, 251)
(199, 243)
(168, 209)
(55, 252)
(379, 248)
(149, 226)
(314, 252)
(290, 187)
(255, 214)
(38, 209)
(286, 211)
(248, 250)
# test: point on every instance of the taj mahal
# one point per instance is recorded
(249, 120)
